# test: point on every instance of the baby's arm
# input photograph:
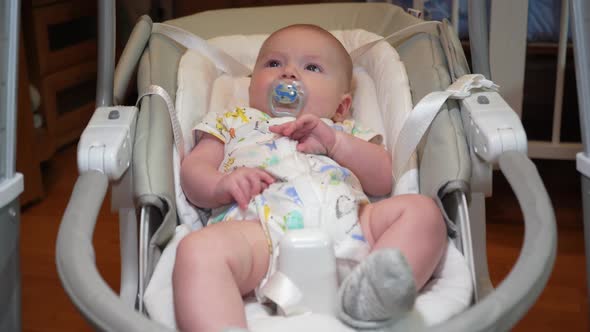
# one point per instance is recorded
(206, 187)
(370, 162)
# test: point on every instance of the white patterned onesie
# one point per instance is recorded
(310, 190)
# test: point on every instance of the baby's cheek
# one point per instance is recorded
(256, 101)
(256, 89)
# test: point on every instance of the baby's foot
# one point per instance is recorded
(378, 292)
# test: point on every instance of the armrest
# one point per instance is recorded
(76, 266)
(513, 297)
(107, 141)
(493, 126)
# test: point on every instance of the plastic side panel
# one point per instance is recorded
(479, 34)
(10, 286)
(580, 13)
(454, 50)
(477, 214)
(379, 18)
(9, 32)
(586, 211)
(442, 153)
(106, 53)
(458, 66)
(459, 139)
(149, 252)
(471, 237)
(152, 159)
(130, 57)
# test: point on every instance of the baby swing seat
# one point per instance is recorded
(453, 160)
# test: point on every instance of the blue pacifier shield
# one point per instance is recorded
(286, 97)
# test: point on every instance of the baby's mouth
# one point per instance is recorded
(286, 97)
(286, 111)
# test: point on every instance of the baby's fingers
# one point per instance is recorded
(240, 192)
(255, 186)
(303, 127)
(277, 129)
(265, 177)
(307, 145)
(285, 129)
(239, 197)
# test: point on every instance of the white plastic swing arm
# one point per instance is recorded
(107, 142)
(76, 265)
(106, 146)
(515, 295)
(493, 126)
(500, 310)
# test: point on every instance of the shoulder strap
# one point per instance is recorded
(394, 38)
(425, 111)
(176, 131)
(222, 60)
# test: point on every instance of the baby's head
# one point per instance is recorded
(312, 55)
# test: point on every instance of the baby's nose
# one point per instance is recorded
(289, 72)
(290, 75)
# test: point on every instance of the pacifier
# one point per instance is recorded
(286, 97)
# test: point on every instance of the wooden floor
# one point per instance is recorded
(562, 306)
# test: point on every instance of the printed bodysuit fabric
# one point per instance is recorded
(310, 191)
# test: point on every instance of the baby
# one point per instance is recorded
(264, 175)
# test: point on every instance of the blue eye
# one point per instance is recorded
(313, 67)
(273, 63)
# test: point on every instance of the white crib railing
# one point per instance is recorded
(556, 149)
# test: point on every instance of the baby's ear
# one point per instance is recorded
(343, 111)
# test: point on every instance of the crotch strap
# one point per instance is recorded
(285, 294)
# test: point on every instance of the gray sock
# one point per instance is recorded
(378, 292)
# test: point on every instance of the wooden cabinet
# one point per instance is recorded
(61, 44)
(64, 34)
(27, 161)
(68, 100)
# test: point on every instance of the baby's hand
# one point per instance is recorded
(242, 184)
(313, 135)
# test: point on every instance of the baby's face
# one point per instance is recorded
(308, 56)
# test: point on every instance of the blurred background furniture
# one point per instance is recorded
(11, 181)
(27, 161)
(60, 45)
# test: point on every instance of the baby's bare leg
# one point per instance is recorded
(214, 267)
(407, 237)
(411, 223)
